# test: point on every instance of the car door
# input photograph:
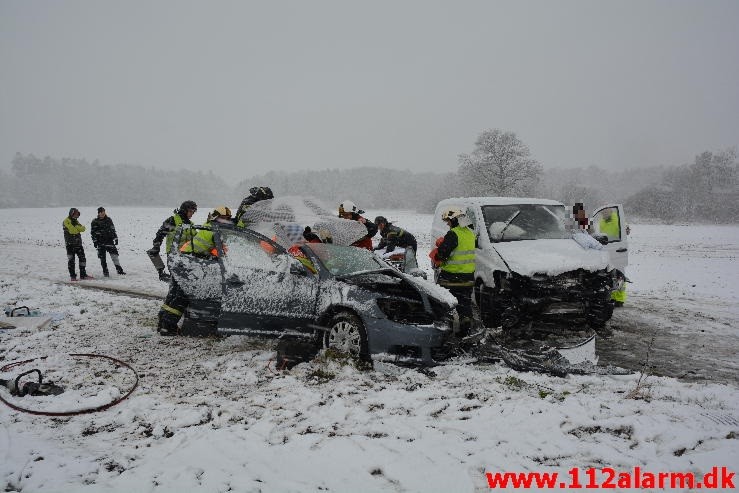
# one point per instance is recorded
(610, 220)
(265, 289)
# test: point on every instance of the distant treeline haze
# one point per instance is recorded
(706, 190)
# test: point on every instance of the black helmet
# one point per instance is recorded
(188, 205)
(261, 193)
(381, 220)
(309, 235)
(74, 212)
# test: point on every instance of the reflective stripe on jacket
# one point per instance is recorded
(462, 259)
(170, 236)
(202, 243)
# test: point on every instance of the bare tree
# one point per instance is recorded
(501, 165)
(706, 190)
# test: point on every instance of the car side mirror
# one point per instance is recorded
(602, 239)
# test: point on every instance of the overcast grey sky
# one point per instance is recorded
(244, 87)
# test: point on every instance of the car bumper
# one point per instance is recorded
(397, 342)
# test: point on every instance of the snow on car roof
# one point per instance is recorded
(303, 210)
(498, 201)
(275, 215)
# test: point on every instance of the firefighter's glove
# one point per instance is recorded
(439, 241)
(433, 255)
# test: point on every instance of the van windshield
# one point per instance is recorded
(525, 222)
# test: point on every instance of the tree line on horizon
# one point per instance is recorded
(500, 164)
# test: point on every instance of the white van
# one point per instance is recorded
(532, 265)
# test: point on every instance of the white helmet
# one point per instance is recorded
(452, 213)
(222, 212)
(349, 206)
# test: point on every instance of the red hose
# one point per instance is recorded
(73, 413)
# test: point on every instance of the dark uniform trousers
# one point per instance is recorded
(460, 286)
(77, 250)
(173, 308)
(113, 251)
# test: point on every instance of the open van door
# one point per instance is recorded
(609, 220)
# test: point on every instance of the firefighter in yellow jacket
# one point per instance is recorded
(457, 270)
(201, 245)
(73, 230)
(181, 217)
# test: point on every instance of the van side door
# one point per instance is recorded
(610, 220)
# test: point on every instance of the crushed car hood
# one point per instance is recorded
(550, 257)
(424, 287)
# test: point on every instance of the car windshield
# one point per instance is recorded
(345, 260)
(525, 222)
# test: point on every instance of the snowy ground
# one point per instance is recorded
(214, 415)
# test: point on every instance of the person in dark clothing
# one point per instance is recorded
(105, 239)
(349, 210)
(310, 236)
(73, 243)
(456, 253)
(256, 194)
(393, 236)
(580, 217)
(167, 231)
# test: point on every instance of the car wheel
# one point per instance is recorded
(346, 334)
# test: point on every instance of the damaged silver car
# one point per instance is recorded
(337, 296)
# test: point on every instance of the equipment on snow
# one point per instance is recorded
(16, 312)
(19, 389)
(45, 389)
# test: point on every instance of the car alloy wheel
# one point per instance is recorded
(346, 334)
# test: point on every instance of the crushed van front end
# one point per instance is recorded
(548, 301)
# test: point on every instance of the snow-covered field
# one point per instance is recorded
(215, 415)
